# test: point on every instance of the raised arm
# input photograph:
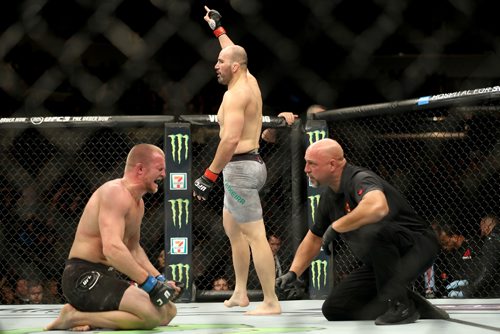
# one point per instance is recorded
(213, 19)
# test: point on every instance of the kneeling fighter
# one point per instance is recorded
(107, 242)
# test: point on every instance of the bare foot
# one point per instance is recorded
(266, 309)
(82, 328)
(237, 299)
(65, 319)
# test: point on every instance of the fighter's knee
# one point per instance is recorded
(331, 310)
(171, 312)
(334, 314)
(150, 319)
(152, 324)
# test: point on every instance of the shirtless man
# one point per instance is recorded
(240, 120)
(106, 241)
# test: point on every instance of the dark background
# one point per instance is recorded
(132, 57)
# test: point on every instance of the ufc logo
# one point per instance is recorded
(160, 302)
(200, 186)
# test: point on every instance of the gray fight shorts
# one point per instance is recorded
(244, 176)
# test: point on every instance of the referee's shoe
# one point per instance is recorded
(400, 311)
(426, 309)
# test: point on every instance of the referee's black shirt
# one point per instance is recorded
(354, 184)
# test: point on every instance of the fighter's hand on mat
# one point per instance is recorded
(204, 184)
(328, 239)
(213, 18)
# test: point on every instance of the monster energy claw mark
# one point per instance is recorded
(318, 273)
(313, 203)
(180, 209)
(316, 135)
(179, 271)
(179, 142)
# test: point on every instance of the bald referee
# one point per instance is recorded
(394, 244)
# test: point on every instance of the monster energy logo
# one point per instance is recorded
(180, 272)
(179, 143)
(313, 204)
(180, 211)
(319, 273)
(316, 135)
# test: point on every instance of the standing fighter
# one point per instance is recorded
(107, 240)
(240, 120)
(395, 245)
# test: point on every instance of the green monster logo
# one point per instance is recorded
(180, 211)
(316, 135)
(179, 142)
(319, 273)
(313, 204)
(180, 272)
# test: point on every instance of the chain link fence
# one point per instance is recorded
(212, 250)
(48, 174)
(446, 161)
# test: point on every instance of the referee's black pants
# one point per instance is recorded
(393, 257)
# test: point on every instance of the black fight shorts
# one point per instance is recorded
(92, 287)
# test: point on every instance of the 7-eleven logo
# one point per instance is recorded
(178, 246)
(178, 181)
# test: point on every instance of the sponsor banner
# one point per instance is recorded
(319, 270)
(178, 204)
(315, 135)
(319, 273)
(180, 272)
(313, 206)
(178, 246)
(179, 147)
(424, 100)
(55, 119)
(178, 181)
(179, 212)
